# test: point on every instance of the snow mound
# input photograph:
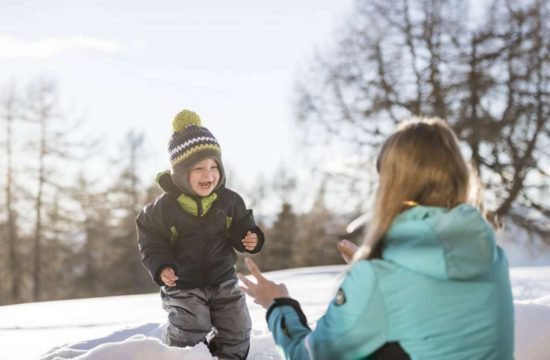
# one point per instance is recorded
(136, 347)
(28, 330)
(532, 328)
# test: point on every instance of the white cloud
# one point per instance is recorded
(14, 48)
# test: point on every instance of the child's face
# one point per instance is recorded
(204, 177)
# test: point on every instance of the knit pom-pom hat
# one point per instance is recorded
(190, 143)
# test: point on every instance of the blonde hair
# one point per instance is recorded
(419, 163)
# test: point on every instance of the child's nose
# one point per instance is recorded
(208, 174)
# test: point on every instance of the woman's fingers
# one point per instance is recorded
(254, 270)
(347, 249)
(348, 246)
(264, 291)
(245, 281)
(249, 287)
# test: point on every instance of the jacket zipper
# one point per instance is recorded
(203, 241)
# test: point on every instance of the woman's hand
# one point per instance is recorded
(263, 291)
(347, 249)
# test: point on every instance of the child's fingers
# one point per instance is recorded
(169, 283)
(172, 276)
(251, 235)
(249, 242)
(168, 277)
(168, 272)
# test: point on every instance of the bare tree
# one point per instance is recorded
(126, 198)
(51, 150)
(9, 116)
(83, 230)
(40, 111)
(488, 77)
(95, 230)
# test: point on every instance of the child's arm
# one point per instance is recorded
(154, 242)
(245, 235)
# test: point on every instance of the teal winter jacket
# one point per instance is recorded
(441, 291)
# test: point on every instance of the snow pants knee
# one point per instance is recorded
(193, 312)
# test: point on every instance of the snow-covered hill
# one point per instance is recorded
(129, 327)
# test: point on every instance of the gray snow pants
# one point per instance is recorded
(193, 312)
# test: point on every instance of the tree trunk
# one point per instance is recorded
(37, 247)
(10, 211)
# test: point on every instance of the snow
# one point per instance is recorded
(129, 327)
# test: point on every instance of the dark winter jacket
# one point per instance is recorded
(197, 237)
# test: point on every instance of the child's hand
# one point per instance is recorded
(250, 241)
(168, 277)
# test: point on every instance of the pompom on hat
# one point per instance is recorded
(190, 143)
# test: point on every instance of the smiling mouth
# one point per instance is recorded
(205, 185)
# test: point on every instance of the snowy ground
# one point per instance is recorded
(128, 327)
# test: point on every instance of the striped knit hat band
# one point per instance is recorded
(190, 140)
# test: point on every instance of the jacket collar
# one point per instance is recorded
(194, 205)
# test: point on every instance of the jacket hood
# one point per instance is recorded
(194, 205)
(455, 244)
(166, 184)
(164, 181)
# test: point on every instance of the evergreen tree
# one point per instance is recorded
(278, 251)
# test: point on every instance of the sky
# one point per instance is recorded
(131, 326)
(134, 64)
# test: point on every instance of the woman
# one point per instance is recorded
(429, 281)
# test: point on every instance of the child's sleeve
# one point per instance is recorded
(153, 235)
(243, 222)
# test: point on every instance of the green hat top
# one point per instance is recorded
(185, 118)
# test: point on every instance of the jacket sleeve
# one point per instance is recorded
(153, 235)
(243, 221)
(354, 325)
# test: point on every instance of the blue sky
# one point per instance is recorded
(135, 64)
